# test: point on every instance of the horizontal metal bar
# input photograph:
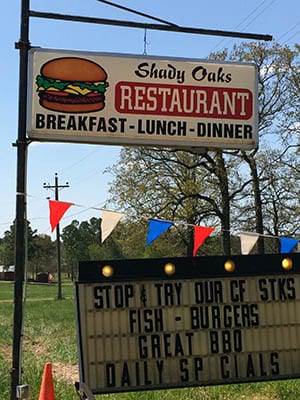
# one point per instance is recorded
(131, 24)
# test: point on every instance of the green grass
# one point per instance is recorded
(7, 291)
(50, 336)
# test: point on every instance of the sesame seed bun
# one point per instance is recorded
(73, 69)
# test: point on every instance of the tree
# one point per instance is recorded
(276, 73)
(82, 241)
(43, 255)
(164, 184)
(8, 244)
(194, 188)
(40, 250)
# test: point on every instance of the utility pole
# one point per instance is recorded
(56, 186)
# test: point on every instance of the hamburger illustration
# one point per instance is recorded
(72, 85)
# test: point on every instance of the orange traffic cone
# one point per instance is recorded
(47, 387)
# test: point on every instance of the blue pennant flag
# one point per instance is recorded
(156, 228)
(287, 245)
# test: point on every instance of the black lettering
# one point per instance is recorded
(143, 350)
(156, 346)
(224, 361)
(165, 345)
(168, 294)
(226, 341)
(112, 125)
(39, 121)
(122, 122)
(51, 122)
(199, 317)
(208, 292)
(71, 124)
(137, 374)
(275, 363)
(199, 73)
(227, 318)
(250, 367)
(146, 374)
(213, 339)
(198, 366)
(263, 371)
(119, 300)
(61, 119)
(125, 377)
(248, 132)
(178, 351)
(92, 123)
(290, 283)
(82, 126)
(185, 371)
(110, 375)
(254, 315)
(226, 338)
(103, 299)
(215, 315)
(128, 294)
(277, 289)
(142, 71)
(237, 290)
(223, 130)
(160, 365)
(101, 127)
(263, 289)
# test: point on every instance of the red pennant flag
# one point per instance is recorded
(57, 210)
(200, 234)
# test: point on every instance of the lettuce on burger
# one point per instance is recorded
(72, 85)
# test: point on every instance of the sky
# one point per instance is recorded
(83, 166)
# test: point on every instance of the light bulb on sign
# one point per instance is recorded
(107, 271)
(169, 268)
(229, 266)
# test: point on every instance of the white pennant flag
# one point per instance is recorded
(109, 221)
(248, 241)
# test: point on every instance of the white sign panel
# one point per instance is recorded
(137, 335)
(141, 100)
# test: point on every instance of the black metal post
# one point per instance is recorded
(20, 222)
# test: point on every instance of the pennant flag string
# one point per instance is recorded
(248, 241)
(287, 245)
(57, 211)
(260, 234)
(201, 233)
(109, 221)
(156, 228)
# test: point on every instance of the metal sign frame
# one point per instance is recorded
(149, 101)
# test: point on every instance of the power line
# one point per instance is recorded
(289, 31)
(246, 18)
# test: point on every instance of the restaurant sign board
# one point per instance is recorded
(107, 98)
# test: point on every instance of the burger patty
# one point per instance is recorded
(72, 99)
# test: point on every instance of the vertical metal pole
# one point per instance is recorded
(59, 290)
(56, 187)
(20, 222)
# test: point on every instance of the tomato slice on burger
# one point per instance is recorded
(57, 92)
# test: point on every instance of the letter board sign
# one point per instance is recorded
(166, 323)
(141, 100)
